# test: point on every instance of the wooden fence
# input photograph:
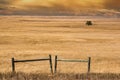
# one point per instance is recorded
(33, 60)
(72, 60)
(50, 61)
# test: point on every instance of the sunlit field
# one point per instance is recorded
(34, 37)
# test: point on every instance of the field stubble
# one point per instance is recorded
(59, 76)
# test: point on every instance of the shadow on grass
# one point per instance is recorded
(58, 76)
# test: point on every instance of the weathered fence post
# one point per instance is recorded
(55, 64)
(51, 64)
(89, 64)
(13, 65)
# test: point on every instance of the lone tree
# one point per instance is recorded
(89, 23)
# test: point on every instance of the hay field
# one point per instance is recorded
(31, 37)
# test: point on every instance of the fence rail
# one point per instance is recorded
(72, 60)
(33, 60)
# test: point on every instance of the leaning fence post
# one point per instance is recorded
(89, 64)
(51, 64)
(55, 64)
(13, 65)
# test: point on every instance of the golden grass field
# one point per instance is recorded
(32, 37)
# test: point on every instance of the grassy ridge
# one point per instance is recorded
(60, 76)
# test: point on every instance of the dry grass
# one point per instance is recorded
(71, 76)
(35, 37)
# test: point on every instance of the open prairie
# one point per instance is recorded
(32, 37)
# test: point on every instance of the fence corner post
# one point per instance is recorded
(50, 57)
(13, 65)
(55, 64)
(89, 64)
